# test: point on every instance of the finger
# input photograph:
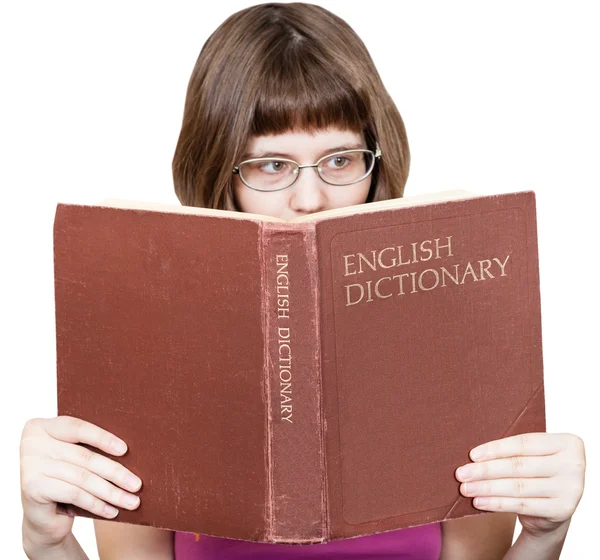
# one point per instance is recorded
(91, 483)
(520, 445)
(513, 467)
(536, 507)
(54, 490)
(75, 430)
(513, 488)
(96, 463)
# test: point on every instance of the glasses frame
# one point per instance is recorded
(376, 156)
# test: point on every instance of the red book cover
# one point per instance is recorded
(301, 382)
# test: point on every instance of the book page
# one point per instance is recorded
(176, 209)
(406, 201)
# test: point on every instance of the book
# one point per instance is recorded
(306, 381)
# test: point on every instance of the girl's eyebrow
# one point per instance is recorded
(269, 154)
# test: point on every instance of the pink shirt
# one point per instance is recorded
(416, 543)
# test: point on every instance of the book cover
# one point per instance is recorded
(300, 382)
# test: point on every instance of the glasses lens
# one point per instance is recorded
(268, 174)
(346, 167)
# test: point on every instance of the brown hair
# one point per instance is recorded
(272, 68)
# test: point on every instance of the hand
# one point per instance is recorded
(538, 476)
(55, 469)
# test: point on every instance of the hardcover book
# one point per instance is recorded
(305, 381)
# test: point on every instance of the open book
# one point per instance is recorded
(305, 381)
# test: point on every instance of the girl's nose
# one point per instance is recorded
(308, 192)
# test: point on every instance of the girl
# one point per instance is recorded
(294, 82)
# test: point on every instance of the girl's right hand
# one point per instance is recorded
(55, 469)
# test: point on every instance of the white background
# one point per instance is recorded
(496, 97)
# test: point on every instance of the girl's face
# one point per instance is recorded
(309, 193)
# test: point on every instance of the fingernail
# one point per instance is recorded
(131, 500)
(468, 489)
(110, 511)
(119, 446)
(464, 473)
(133, 482)
(477, 453)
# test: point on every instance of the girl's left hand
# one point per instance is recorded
(538, 476)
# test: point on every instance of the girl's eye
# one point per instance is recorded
(273, 166)
(338, 162)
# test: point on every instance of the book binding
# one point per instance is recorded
(296, 484)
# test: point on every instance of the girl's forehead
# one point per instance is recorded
(305, 140)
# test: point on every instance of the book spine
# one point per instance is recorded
(296, 503)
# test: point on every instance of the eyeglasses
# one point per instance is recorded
(339, 169)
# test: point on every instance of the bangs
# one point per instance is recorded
(300, 91)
